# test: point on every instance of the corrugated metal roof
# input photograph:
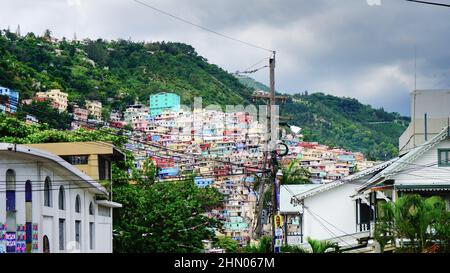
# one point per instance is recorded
(398, 164)
(332, 185)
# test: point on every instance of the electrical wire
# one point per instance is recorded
(430, 3)
(201, 27)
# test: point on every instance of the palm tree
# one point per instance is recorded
(318, 246)
(294, 174)
(422, 221)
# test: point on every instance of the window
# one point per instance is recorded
(91, 209)
(91, 235)
(444, 157)
(47, 192)
(46, 244)
(77, 159)
(28, 191)
(78, 234)
(61, 198)
(62, 234)
(10, 191)
(77, 204)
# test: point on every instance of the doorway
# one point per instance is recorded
(46, 244)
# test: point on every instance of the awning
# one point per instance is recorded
(423, 187)
(108, 203)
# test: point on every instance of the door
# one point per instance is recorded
(46, 244)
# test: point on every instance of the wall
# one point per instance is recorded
(48, 217)
(433, 102)
(432, 174)
(336, 207)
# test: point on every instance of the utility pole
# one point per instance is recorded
(272, 117)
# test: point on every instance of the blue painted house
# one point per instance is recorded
(168, 172)
(9, 100)
(203, 182)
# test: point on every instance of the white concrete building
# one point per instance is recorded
(94, 108)
(58, 207)
(430, 112)
(326, 211)
(59, 99)
(423, 171)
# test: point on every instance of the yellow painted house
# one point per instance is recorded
(92, 158)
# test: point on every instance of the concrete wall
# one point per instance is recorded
(336, 207)
(435, 103)
(47, 218)
(416, 174)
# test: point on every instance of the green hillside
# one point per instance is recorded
(343, 122)
(249, 82)
(118, 73)
(115, 72)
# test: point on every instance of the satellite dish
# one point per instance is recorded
(295, 129)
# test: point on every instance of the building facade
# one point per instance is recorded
(92, 158)
(58, 98)
(326, 211)
(9, 100)
(422, 171)
(80, 114)
(429, 114)
(94, 108)
(164, 102)
(50, 206)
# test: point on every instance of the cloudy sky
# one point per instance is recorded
(349, 48)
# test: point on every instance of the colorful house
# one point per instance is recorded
(164, 102)
(9, 99)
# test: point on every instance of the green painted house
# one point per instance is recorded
(162, 102)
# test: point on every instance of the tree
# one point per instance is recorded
(228, 244)
(45, 113)
(293, 249)
(164, 217)
(264, 245)
(384, 230)
(318, 246)
(423, 221)
(294, 174)
(48, 34)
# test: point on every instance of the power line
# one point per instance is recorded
(201, 27)
(328, 230)
(250, 67)
(430, 3)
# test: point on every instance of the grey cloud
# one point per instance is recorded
(344, 47)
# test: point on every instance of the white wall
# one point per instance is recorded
(336, 207)
(48, 217)
(433, 174)
(433, 102)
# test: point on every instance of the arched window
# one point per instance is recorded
(11, 200)
(77, 204)
(28, 191)
(47, 192)
(91, 209)
(28, 213)
(10, 191)
(61, 198)
(46, 244)
(10, 180)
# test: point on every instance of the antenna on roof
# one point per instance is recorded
(18, 30)
(415, 67)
